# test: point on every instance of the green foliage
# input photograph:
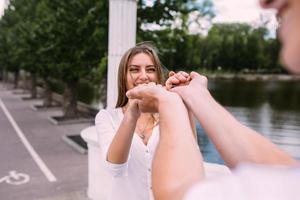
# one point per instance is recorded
(79, 31)
(8, 40)
(173, 39)
(164, 13)
(67, 40)
(226, 47)
(238, 47)
(98, 73)
(58, 38)
(61, 39)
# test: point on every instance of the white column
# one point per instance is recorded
(122, 36)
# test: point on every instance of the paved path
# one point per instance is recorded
(35, 162)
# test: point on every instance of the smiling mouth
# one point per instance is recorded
(269, 1)
(136, 84)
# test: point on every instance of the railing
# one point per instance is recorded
(99, 180)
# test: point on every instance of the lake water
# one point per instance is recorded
(272, 108)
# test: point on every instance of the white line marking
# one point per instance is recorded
(15, 178)
(30, 149)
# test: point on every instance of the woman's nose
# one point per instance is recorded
(143, 75)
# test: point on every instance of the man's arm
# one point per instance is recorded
(178, 79)
(235, 142)
(178, 162)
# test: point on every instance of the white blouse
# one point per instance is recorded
(132, 180)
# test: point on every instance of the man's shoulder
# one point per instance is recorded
(250, 182)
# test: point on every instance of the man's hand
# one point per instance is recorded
(196, 85)
(177, 79)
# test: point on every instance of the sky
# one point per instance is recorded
(247, 11)
(238, 11)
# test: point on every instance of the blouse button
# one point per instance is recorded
(147, 151)
(149, 170)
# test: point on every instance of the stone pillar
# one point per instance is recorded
(122, 36)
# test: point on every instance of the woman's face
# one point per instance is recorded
(141, 69)
(289, 31)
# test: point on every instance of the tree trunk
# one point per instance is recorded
(16, 78)
(5, 76)
(26, 84)
(70, 99)
(47, 96)
(33, 85)
(1, 74)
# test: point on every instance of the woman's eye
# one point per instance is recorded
(133, 70)
(152, 70)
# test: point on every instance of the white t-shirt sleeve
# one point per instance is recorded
(226, 187)
(105, 132)
(250, 182)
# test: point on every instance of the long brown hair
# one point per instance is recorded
(146, 48)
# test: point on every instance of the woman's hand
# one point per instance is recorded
(149, 96)
(132, 109)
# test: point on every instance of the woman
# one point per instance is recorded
(128, 138)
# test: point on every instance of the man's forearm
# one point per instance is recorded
(235, 142)
(178, 161)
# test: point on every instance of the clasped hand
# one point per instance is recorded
(181, 84)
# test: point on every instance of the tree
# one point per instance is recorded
(66, 40)
(167, 23)
(236, 47)
(79, 31)
(9, 44)
(27, 42)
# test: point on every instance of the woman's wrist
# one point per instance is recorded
(130, 116)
